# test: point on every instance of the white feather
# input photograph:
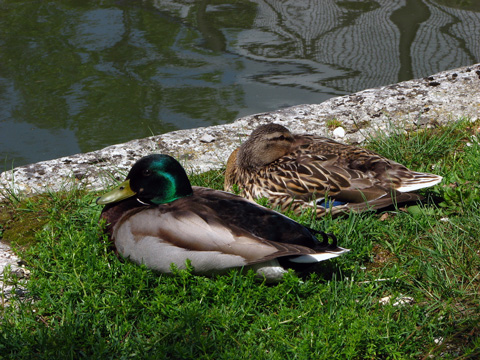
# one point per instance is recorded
(420, 181)
(313, 258)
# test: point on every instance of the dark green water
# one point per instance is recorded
(76, 76)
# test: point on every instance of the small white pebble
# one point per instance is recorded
(445, 219)
(401, 300)
(385, 300)
(404, 300)
(438, 340)
(339, 132)
(207, 138)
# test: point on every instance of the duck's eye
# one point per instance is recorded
(147, 172)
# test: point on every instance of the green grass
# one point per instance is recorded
(83, 302)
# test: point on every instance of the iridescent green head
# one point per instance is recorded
(155, 179)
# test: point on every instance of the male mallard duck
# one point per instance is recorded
(306, 171)
(156, 218)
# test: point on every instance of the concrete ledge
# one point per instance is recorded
(437, 99)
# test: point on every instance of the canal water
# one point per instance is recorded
(78, 75)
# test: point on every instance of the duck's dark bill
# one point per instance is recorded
(121, 192)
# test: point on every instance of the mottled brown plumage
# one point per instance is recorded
(297, 172)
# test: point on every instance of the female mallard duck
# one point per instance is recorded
(156, 218)
(295, 172)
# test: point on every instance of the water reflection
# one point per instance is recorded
(372, 43)
(76, 76)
